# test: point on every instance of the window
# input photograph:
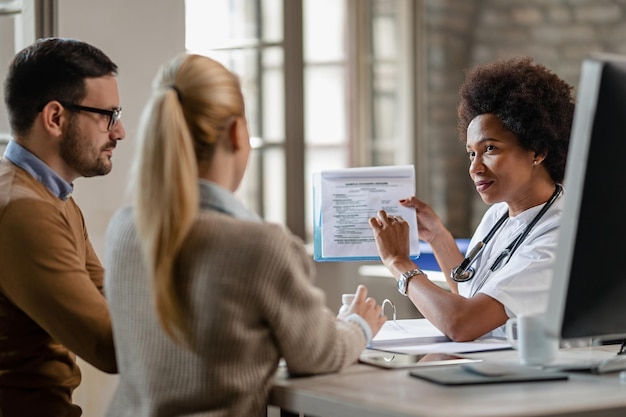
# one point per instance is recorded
(327, 85)
(10, 22)
(21, 22)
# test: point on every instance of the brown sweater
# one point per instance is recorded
(248, 287)
(51, 301)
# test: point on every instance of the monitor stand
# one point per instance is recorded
(613, 363)
(588, 362)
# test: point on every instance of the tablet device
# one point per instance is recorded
(391, 360)
(485, 373)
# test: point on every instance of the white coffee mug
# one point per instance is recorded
(534, 345)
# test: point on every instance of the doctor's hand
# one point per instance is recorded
(367, 308)
(428, 223)
(391, 234)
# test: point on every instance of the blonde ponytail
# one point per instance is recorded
(194, 99)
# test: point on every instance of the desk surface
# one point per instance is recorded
(366, 391)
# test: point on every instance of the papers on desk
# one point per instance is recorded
(407, 332)
(421, 336)
(345, 199)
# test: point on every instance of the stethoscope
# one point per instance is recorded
(464, 272)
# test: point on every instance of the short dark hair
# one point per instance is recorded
(50, 69)
(529, 100)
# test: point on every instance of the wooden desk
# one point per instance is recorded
(366, 391)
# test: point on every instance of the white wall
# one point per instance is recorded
(138, 35)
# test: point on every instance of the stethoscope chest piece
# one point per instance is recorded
(459, 274)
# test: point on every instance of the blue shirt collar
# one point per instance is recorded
(214, 197)
(30, 163)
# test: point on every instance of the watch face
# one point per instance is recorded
(402, 285)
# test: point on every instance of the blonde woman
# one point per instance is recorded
(205, 297)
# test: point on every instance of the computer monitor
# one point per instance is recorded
(588, 293)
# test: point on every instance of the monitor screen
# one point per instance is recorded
(588, 293)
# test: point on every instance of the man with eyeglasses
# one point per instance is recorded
(63, 105)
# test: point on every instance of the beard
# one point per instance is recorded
(79, 153)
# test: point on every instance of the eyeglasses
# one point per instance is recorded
(114, 115)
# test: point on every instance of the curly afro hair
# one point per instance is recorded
(529, 100)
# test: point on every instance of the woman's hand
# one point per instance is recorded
(367, 308)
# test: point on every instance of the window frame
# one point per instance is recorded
(33, 19)
(408, 140)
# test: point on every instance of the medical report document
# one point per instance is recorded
(345, 199)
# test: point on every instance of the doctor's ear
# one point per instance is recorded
(538, 159)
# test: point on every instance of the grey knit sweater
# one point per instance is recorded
(248, 286)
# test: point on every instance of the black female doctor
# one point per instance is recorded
(515, 118)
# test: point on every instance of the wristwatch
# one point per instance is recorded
(403, 282)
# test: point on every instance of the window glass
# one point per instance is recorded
(325, 105)
(274, 184)
(272, 11)
(273, 96)
(389, 143)
(324, 23)
(11, 40)
(7, 50)
(384, 28)
(384, 114)
(216, 24)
